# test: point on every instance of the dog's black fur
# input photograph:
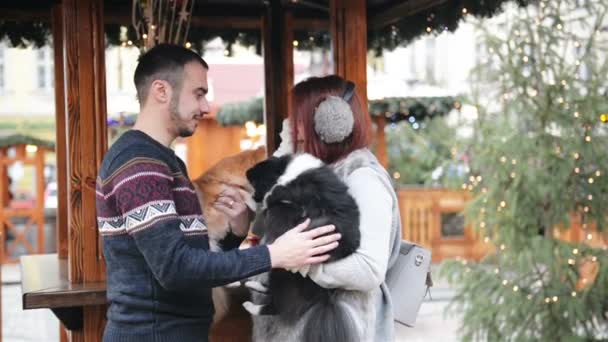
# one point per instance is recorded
(320, 195)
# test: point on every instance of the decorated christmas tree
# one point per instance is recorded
(539, 175)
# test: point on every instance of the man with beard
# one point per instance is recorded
(159, 268)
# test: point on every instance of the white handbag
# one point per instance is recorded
(408, 281)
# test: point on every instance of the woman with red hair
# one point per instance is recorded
(329, 122)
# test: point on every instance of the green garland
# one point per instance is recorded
(22, 139)
(395, 109)
(444, 17)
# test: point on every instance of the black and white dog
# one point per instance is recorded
(289, 190)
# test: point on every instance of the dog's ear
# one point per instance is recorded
(265, 174)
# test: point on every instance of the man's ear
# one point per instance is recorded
(161, 91)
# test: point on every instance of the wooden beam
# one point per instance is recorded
(60, 134)
(85, 102)
(348, 21)
(277, 36)
(380, 140)
(399, 11)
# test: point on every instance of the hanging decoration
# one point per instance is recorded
(162, 21)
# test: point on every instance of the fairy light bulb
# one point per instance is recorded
(515, 288)
(575, 251)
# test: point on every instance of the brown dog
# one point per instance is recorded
(228, 172)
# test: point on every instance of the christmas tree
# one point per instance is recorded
(539, 167)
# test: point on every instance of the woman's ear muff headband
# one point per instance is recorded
(334, 119)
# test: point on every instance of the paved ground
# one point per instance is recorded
(42, 326)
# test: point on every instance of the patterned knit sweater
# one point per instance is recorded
(159, 267)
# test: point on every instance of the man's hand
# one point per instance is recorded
(231, 203)
(297, 248)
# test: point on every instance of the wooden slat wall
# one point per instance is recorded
(209, 144)
(421, 210)
(85, 104)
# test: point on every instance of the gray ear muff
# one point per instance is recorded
(333, 117)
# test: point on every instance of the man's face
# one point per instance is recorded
(190, 104)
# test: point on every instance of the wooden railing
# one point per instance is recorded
(429, 217)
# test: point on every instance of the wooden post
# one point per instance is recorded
(39, 214)
(85, 105)
(348, 26)
(277, 36)
(380, 140)
(60, 133)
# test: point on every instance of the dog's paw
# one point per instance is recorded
(256, 286)
(253, 309)
(233, 285)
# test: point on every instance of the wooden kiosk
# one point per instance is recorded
(72, 282)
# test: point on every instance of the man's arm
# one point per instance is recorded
(145, 198)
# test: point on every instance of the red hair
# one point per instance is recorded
(307, 95)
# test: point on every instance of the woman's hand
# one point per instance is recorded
(297, 248)
(232, 204)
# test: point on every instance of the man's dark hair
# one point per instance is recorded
(163, 62)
